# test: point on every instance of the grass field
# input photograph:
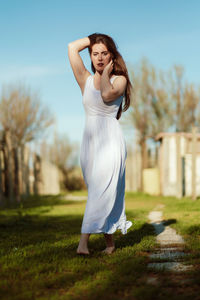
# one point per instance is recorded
(38, 252)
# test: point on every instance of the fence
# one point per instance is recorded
(24, 172)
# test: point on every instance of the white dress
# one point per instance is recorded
(102, 157)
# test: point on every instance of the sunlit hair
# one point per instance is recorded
(119, 64)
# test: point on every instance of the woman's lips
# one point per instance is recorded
(100, 64)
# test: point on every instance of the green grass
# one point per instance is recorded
(38, 258)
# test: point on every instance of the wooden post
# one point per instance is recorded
(194, 153)
(9, 167)
(37, 174)
(131, 171)
(20, 171)
(15, 152)
(160, 165)
(178, 165)
(144, 160)
(1, 186)
(25, 156)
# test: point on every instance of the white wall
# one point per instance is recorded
(188, 175)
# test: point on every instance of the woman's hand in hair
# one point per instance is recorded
(92, 38)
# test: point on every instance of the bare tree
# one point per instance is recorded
(21, 113)
(24, 119)
(185, 101)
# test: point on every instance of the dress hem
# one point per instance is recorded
(123, 227)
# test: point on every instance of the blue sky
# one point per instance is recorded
(35, 34)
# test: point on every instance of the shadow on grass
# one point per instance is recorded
(169, 222)
(20, 231)
(53, 241)
(60, 269)
(50, 242)
(34, 201)
(134, 236)
(97, 275)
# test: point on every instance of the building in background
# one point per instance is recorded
(175, 163)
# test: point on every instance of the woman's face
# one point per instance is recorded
(100, 56)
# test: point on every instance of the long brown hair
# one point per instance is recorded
(119, 64)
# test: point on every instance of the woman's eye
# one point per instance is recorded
(95, 54)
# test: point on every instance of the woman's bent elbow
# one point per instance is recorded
(69, 44)
(108, 97)
(104, 97)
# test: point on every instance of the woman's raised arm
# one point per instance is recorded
(79, 70)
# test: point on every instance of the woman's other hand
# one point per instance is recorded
(109, 67)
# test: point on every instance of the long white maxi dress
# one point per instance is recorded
(102, 157)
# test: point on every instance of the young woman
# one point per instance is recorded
(103, 148)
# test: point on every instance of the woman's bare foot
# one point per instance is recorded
(109, 250)
(82, 251)
(110, 245)
(82, 247)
